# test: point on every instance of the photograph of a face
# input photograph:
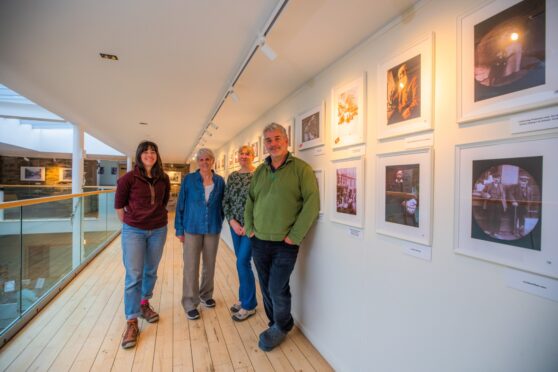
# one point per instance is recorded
(510, 50)
(402, 194)
(346, 190)
(507, 201)
(403, 91)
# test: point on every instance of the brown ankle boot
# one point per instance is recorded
(148, 313)
(130, 335)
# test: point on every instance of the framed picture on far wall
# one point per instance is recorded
(288, 125)
(223, 161)
(33, 174)
(507, 206)
(175, 177)
(256, 148)
(230, 162)
(506, 62)
(320, 178)
(406, 90)
(347, 180)
(404, 197)
(235, 158)
(310, 128)
(348, 113)
(65, 175)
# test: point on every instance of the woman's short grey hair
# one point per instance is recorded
(205, 152)
(273, 127)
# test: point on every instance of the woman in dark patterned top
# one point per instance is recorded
(234, 200)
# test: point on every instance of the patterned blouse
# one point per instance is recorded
(236, 191)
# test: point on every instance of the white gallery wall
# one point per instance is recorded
(365, 303)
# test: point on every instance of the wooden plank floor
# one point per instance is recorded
(81, 328)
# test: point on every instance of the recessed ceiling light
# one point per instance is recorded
(112, 57)
(143, 123)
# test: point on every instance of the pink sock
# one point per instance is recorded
(144, 301)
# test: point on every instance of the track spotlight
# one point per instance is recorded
(25, 158)
(233, 95)
(266, 49)
(213, 125)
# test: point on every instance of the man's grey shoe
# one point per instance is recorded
(271, 338)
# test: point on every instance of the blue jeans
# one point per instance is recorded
(141, 253)
(247, 289)
(275, 262)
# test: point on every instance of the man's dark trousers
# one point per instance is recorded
(275, 262)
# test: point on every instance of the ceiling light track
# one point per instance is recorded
(259, 43)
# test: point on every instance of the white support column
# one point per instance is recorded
(128, 163)
(77, 188)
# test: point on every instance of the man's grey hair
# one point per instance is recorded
(273, 127)
(204, 151)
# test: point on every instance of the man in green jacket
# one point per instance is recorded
(282, 204)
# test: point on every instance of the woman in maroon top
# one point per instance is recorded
(140, 202)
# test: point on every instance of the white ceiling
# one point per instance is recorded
(177, 60)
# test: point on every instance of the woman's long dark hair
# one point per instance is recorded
(157, 170)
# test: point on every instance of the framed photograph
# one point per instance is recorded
(256, 148)
(175, 177)
(404, 197)
(288, 125)
(506, 60)
(223, 161)
(65, 175)
(231, 160)
(348, 113)
(320, 178)
(406, 90)
(506, 205)
(347, 179)
(235, 157)
(310, 128)
(33, 174)
(113, 170)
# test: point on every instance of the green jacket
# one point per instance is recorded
(282, 203)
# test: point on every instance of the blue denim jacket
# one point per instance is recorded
(193, 214)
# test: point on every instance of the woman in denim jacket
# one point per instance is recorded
(198, 223)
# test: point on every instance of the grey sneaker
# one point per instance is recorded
(243, 314)
(235, 308)
(193, 314)
(208, 303)
(271, 338)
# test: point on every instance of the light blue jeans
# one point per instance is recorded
(141, 253)
(247, 289)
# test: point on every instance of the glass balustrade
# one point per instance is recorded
(41, 244)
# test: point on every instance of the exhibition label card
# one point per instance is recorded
(418, 251)
(535, 120)
(531, 283)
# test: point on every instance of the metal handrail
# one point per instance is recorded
(48, 199)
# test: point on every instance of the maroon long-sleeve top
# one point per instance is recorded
(144, 203)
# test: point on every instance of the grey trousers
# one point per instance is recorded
(195, 245)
